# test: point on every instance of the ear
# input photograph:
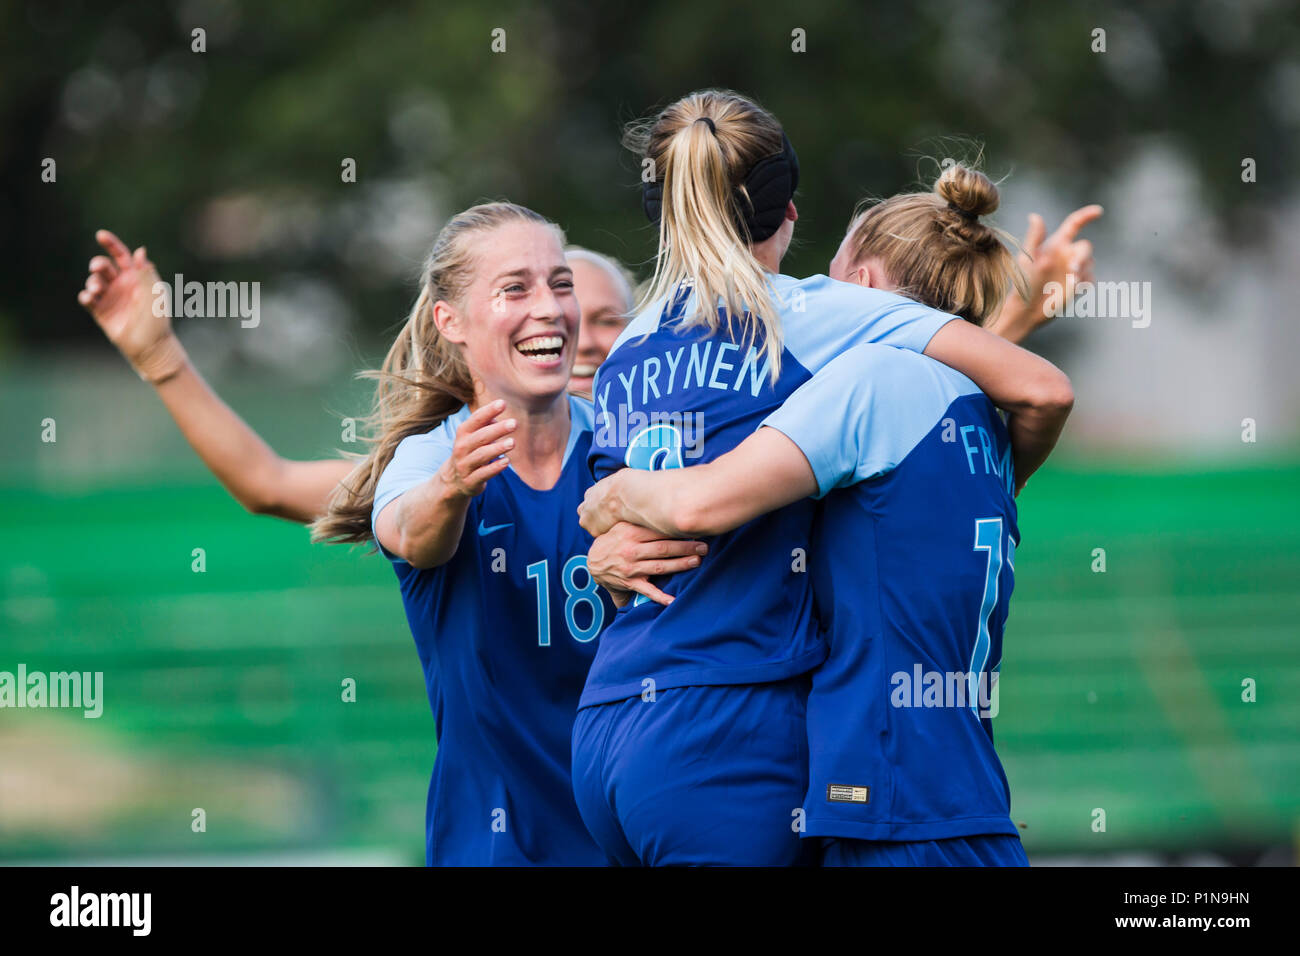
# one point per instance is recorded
(791, 212)
(862, 275)
(449, 322)
(871, 274)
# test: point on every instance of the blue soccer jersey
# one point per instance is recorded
(506, 631)
(669, 398)
(912, 571)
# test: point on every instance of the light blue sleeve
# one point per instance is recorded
(416, 460)
(824, 317)
(862, 414)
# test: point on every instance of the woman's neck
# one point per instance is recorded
(768, 256)
(770, 252)
(541, 436)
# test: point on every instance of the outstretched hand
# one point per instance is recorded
(481, 450)
(1061, 258)
(119, 294)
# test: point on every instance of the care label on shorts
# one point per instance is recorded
(842, 793)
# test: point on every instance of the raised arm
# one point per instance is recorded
(764, 472)
(119, 294)
(768, 471)
(1036, 394)
(1052, 269)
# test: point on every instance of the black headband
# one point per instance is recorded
(770, 183)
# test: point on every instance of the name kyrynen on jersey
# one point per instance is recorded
(658, 376)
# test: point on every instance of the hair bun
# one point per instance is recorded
(967, 190)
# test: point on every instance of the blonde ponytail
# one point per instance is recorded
(702, 147)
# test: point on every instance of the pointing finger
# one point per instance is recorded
(1076, 220)
(641, 586)
(115, 248)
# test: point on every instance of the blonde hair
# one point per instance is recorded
(424, 378)
(702, 167)
(934, 248)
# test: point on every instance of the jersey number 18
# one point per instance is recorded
(540, 572)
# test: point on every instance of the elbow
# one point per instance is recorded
(1052, 395)
(1060, 397)
(423, 555)
(412, 556)
(258, 504)
(400, 545)
(274, 507)
(425, 562)
(261, 490)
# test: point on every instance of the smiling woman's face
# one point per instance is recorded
(518, 321)
(604, 316)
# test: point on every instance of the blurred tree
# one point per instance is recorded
(227, 162)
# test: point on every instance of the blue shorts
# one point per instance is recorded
(994, 849)
(700, 776)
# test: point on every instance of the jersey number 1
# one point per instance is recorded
(988, 538)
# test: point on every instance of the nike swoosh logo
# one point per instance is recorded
(484, 529)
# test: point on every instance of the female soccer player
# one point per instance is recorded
(605, 300)
(912, 562)
(690, 745)
(119, 294)
(472, 485)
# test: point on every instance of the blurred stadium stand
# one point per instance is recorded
(1120, 690)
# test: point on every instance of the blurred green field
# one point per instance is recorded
(1120, 690)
